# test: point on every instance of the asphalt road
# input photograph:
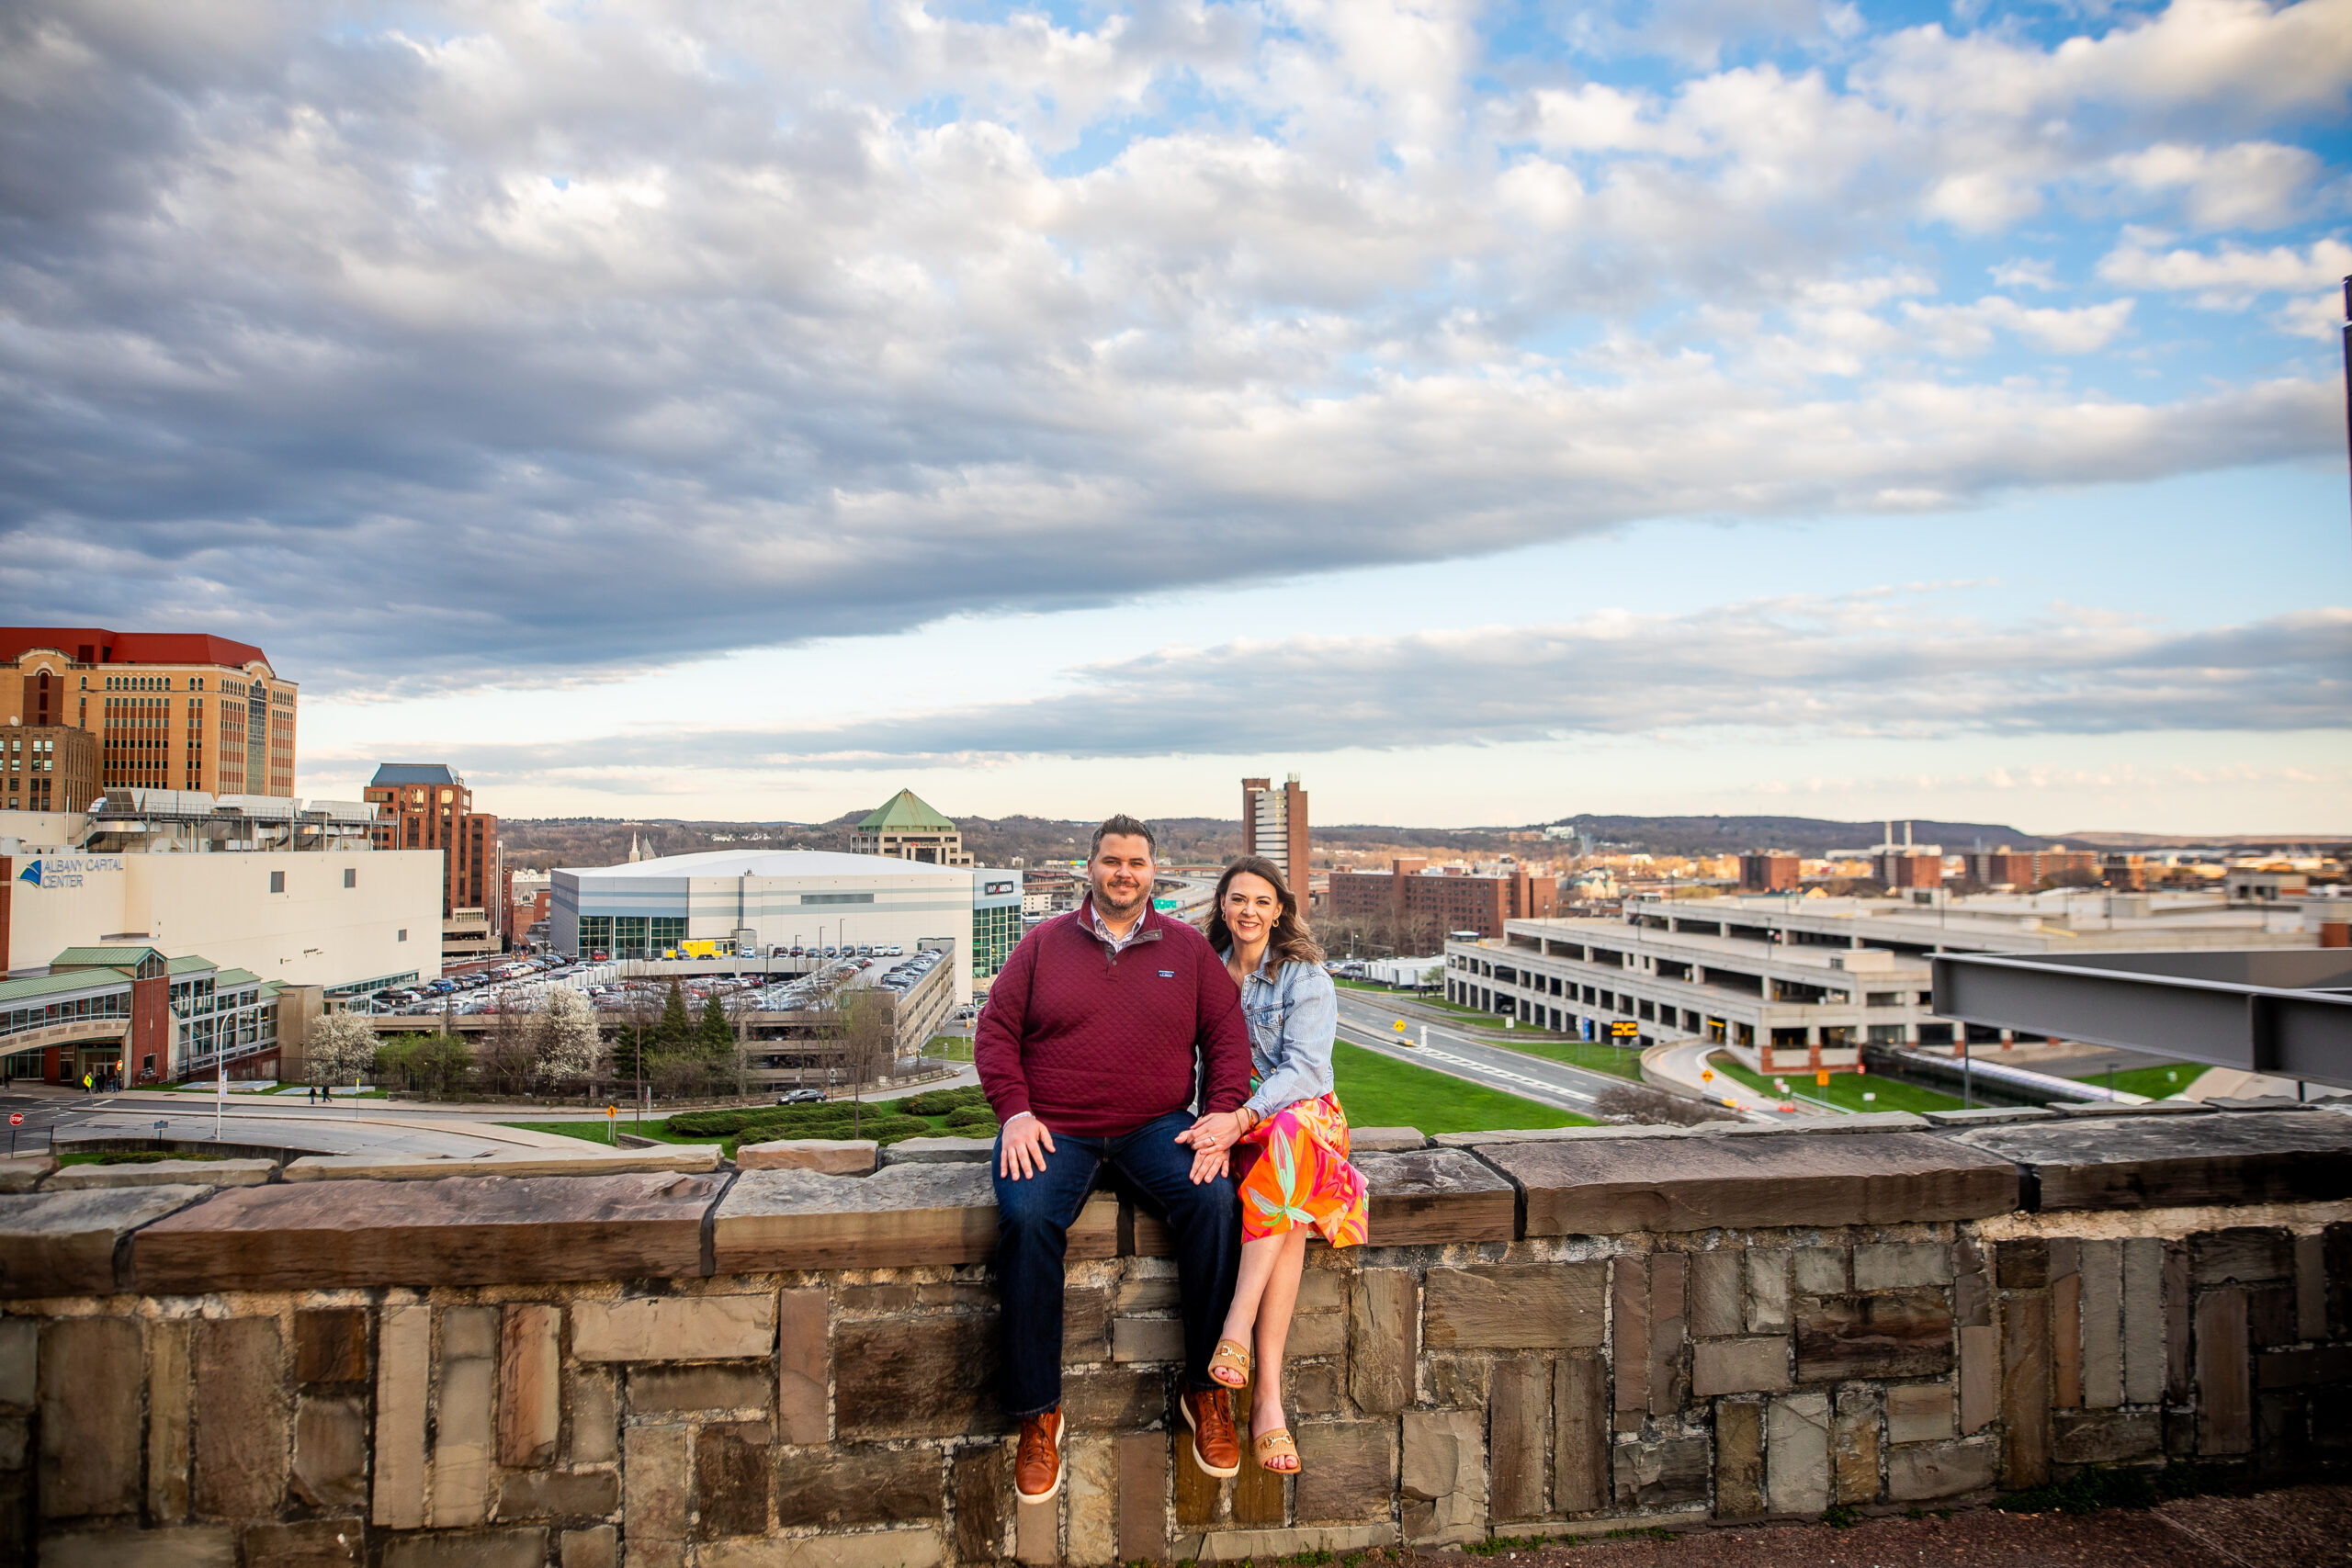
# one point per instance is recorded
(1370, 1022)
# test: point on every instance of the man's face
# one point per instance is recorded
(1121, 875)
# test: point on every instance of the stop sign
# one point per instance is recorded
(16, 1118)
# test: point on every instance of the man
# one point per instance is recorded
(1093, 1038)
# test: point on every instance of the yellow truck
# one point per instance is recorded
(705, 950)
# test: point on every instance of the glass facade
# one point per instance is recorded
(630, 936)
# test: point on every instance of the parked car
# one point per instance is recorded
(802, 1097)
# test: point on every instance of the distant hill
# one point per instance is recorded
(1804, 835)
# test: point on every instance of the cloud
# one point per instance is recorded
(464, 342)
(2252, 185)
(1882, 664)
(2230, 277)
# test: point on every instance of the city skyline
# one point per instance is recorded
(1489, 412)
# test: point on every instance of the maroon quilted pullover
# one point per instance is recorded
(1098, 1044)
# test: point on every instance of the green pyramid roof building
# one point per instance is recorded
(905, 812)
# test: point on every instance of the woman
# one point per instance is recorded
(1290, 1140)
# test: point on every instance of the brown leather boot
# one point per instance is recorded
(1037, 1467)
(1216, 1447)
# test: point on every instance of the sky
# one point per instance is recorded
(1488, 412)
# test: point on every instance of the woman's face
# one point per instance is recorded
(1251, 908)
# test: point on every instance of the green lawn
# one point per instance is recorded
(657, 1129)
(1593, 1055)
(949, 1047)
(2156, 1083)
(1379, 1091)
(129, 1156)
(1845, 1089)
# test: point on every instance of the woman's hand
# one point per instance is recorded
(1212, 1139)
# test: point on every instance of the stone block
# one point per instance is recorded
(675, 1328)
(461, 1230)
(979, 1481)
(64, 1244)
(1086, 1323)
(856, 1483)
(1431, 1197)
(1143, 1496)
(1157, 1294)
(916, 1378)
(1442, 1479)
(2105, 1437)
(2022, 1264)
(403, 1369)
(1037, 1533)
(2310, 1286)
(1971, 1286)
(1092, 1480)
(23, 1172)
(530, 1407)
(511, 1548)
(941, 1151)
(1739, 1366)
(560, 1495)
(1739, 1458)
(330, 1345)
(2065, 1327)
(1117, 1397)
(241, 1417)
(1929, 1470)
(1383, 1340)
(1987, 1115)
(1608, 1187)
(2161, 1162)
(657, 1477)
(662, 1391)
(1313, 1334)
(1519, 1415)
(463, 1442)
(1628, 1333)
(1796, 1453)
(311, 1543)
(331, 1451)
(194, 1546)
(595, 1547)
(1821, 1270)
(2224, 1369)
(1153, 1339)
(171, 1424)
(2025, 1389)
(1274, 1545)
(1315, 1389)
(1717, 1302)
(2144, 1320)
(1919, 1412)
(803, 1371)
(867, 1549)
(546, 1161)
(595, 1399)
(731, 1477)
(165, 1173)
(1664, 1474)
(1538, 1306)
(2244, 1255)
(19, 1361)
(1892, 1334)
(1385, 1140)
(1348, 1471)
(1854, 1429)
(2100, 1266)
(88, 1396)
(1767, 1290)
(1889, 1267)
(1324, 1289)
(904, 1215)
(831, 1156)
(1580, 1434)
(1454, 1381)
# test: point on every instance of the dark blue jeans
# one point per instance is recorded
(1033, 1222)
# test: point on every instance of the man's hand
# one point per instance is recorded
(1021, 1147)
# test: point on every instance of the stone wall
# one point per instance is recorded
(1551, 1333)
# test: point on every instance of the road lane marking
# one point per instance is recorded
(1409, 1054)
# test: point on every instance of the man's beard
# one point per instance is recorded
(1107, 900)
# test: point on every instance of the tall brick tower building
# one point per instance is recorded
(426, 806)
(1273, 824)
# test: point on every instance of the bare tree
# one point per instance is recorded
(506, 1054)
(863, 1029)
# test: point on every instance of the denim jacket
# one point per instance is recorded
(1294, 1014)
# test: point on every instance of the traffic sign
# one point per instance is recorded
(16, 1118)
(1708, 1076)
(1400, 1026)
(1822, 1078)
(1624, 1029)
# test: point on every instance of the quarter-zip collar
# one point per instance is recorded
(1091, 923)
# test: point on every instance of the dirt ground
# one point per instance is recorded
(2296, 1527)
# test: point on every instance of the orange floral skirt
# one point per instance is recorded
(1297, 1173)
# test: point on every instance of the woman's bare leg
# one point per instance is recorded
(1275, 1309)
(1257, 1260)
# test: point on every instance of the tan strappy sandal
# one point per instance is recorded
(1229, 1364)
(1273, 1445)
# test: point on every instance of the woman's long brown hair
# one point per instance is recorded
(1290, 941)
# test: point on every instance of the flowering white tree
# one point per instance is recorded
(564, 1036)
(339, 1047)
